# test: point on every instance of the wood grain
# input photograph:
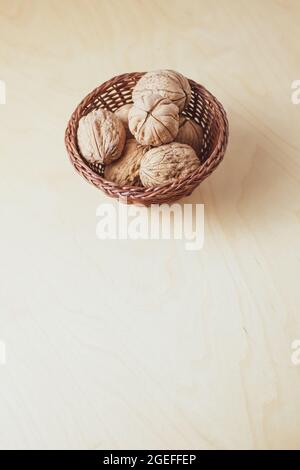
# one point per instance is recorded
(123, 344)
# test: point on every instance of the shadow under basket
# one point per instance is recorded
(204, 108)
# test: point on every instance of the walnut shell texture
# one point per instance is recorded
(153, 120)
(122, 114)
(101, 136)
(190, 133)
(126, 170)
(167, 83)
(167, 163)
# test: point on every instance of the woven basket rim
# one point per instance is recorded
(138, 191)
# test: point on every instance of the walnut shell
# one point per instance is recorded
(153, 120)
(167, 163)
(126, 170)
(122, 114)
(167, 83)
(190, 133)
(101, 136)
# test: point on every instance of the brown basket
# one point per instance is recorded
(204, 108)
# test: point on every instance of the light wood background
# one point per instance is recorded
(123, 344)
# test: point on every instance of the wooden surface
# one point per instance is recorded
(123, 344)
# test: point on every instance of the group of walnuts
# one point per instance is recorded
(149, 142)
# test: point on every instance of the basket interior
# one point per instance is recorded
(200, 109)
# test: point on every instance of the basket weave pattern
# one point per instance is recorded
(204, 108)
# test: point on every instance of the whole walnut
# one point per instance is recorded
(153, 120)
(165, 164)
(126, 170)
(167, 83)
(190, 133)
(122, 114)
(101, 136)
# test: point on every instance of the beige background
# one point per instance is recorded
(142, 344)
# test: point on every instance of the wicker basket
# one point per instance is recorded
(203, 108)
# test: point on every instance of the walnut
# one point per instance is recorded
(190, 133)
(153, 120)
(122, 114)
(166, 83)
(101, 136)
(165, 164)
(125, 170)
